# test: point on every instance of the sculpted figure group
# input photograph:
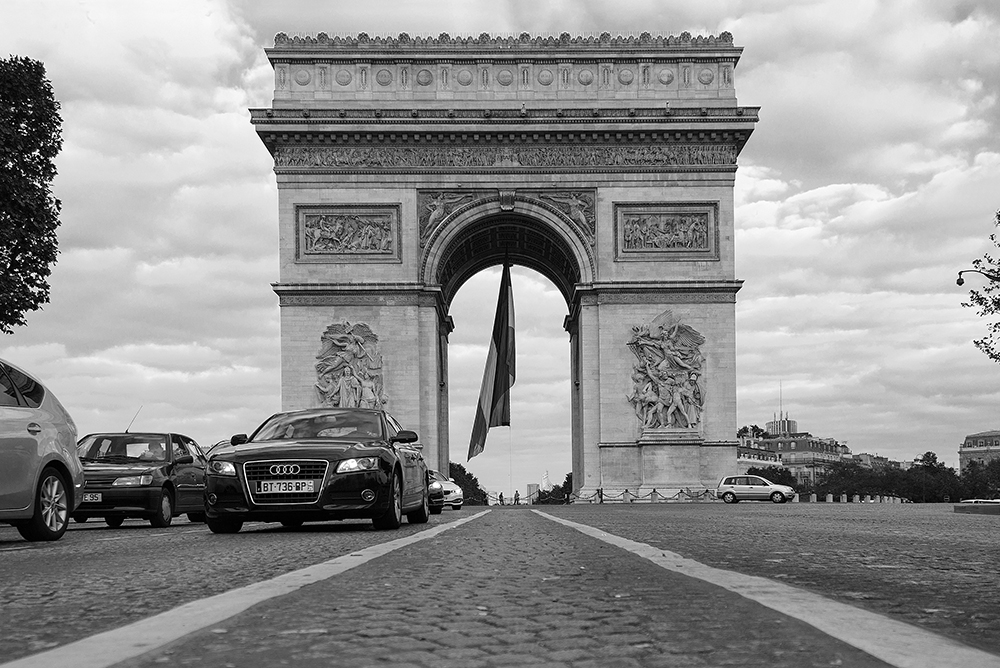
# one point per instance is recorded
(665, 391)
(349, 368)
(335, 233)
(658, 231)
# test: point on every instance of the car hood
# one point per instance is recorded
(310, 449)
(133, 468)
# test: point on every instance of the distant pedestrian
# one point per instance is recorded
(517, 498)
(500, 497)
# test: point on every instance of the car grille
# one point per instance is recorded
(309, 469)
(100, 479)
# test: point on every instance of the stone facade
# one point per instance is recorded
(406, 165)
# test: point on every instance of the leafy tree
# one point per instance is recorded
(474, 494)
(987, 300)
(776, 474)
(981, 481)
(752, 431)
(558, 494)
(30, 138)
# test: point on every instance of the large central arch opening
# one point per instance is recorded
(545, 273)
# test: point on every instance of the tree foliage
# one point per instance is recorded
(752, 431)
(474, 494)
(776, 474)
(927, 481)
(30, 139)
(987, 300)
(558, 494)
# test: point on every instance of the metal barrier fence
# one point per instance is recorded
(600, 496)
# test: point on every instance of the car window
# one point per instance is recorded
(193, 447)
(123, 448)
(179, 448)
(729, 481)
(758, 482)
(394, 427)
(8, 395)
(437, 475)
(346, 424)
(31, 390)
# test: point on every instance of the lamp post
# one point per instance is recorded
(991, 276)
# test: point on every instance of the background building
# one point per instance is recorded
(806, 456)
(983, 447)
(755, 452)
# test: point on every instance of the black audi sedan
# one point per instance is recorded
(151, 476)
(317, 465)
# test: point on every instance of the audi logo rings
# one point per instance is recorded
(285, 469)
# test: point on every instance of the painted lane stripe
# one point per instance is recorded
(897, 643)
(108, 648)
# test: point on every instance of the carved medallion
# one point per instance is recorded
(302, 77)
(666, 390)
(424, 77)
(666, 76)
(383, 77)
(349, 368)
(505, 77)
(347, 233)
(464, 77)
(625, 77)
(667, 231)
(586, 77)
(706, 76)
(343, 77)
(545, 77)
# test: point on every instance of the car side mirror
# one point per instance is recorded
(404, 436)
(184, 459)
(238, 439)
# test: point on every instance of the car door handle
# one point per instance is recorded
(33, 428)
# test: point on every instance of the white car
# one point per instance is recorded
(453, 495)
(41, 478)
(736, 488)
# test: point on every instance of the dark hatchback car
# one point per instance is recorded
(318, 465)
(152, 476)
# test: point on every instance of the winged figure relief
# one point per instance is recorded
(349, 367)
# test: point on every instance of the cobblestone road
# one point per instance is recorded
(513, 588)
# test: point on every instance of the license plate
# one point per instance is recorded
(92, 497)
(284, 486)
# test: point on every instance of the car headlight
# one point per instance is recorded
(435, 486)
(359, 464)
(219, 467)
(133, 481)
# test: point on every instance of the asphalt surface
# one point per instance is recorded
(514, 588)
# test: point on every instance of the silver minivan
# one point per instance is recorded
(41, 478)
(734, 489)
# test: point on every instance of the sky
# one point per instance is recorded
(869, 182)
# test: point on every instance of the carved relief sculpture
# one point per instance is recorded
(338, 232)
(666, 231)
(349, 368)
(666, 390)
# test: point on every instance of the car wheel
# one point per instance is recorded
(223, 525)
(423, 513)
(729, 497)
(165, 510)
(393, 515)
(114, 522)
(196, 517)
(777, 497)
(51, 516)
(291, 524)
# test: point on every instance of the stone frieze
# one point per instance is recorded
(510, 157)
(339, 232)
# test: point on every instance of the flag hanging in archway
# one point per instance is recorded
(493, 409)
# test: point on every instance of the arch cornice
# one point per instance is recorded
(519, 211)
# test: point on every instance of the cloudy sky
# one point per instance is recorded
(870, 180)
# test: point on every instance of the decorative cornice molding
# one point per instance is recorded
(419, 115)
(404, 42)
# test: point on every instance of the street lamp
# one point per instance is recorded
(993, 277)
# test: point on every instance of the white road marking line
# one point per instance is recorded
(897, 643)
(15, 549)
(111, 647)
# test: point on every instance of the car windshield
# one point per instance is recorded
(438, 476)
(336, 424)
(120, 448)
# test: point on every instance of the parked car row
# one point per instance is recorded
(298, 466)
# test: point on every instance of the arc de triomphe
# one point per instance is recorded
(406, 165)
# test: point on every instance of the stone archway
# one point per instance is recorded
(406, 165)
